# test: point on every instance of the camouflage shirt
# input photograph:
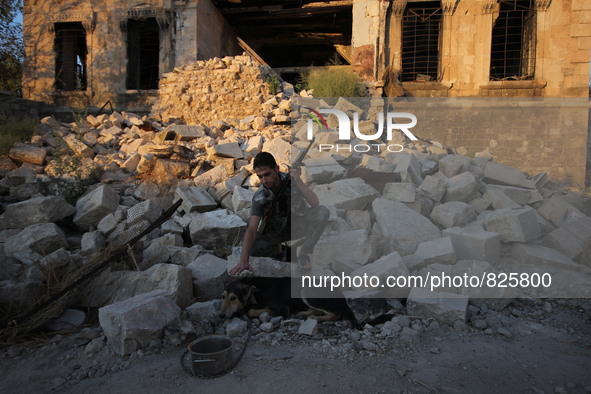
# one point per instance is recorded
(290, 200)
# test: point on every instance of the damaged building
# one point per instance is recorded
(85, 53)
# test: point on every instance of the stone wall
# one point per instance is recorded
(213, 90)
(535, 135)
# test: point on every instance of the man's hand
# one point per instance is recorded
(240, 267)
(295, 174)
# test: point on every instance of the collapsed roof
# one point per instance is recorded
(288, 33)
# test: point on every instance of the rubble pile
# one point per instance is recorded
(80, 187)
(215, 90)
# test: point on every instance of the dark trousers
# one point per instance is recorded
(311, 226)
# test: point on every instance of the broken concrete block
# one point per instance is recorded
(346, 194)
(132, 324)
(520, 195)
(309, 327)
(543, 258)
(409, 168)
(462, 187)
(444, 307)
(322, 170)
(352, 246)
(157, 251)
(366, 305)
(216, 229)
(131, 163)
(514, 225)
(175, 168)
(181, 255)
(453, 214)
(116, 286)
(282, 150)
(37, 210)
(20, 176)
(262, 267)
(452, 165)
(22, 294)
(195, 199)
(358, 219)
(236, 327)
(386, 266)
(475, 245)
(40, 238)
(498, 174)
(498, 199)
(204, 312)
(211, 177)
(24, 153)
(92, 242)
(107, 224)
(253, 145)
(132, 146)
(6, 165)
(573, 239)
(437, 251)
(376, 164)
(403, 192)
(92, 207)
(433, 187)
(241, 198)
(186, 132)
(402, 224)
(557, 210)
(209, 276)
(78, 147)
(231, 149)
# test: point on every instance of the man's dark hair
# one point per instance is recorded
(264, 159)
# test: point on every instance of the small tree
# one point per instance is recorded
(12, 50)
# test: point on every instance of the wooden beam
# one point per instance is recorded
(297, 70)
(255, 56)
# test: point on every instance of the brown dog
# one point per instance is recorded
(254, 296)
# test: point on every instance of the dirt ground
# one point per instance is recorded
(532, 346)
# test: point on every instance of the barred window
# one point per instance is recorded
(70, 56)
(143, 51)
(513, 41)
(421, 31)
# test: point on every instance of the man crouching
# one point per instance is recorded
(280, 196)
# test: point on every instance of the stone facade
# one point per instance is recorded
(84, 53)
(557, 39)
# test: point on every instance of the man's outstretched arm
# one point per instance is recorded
(310, 197)
(251, 232)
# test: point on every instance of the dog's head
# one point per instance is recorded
(236, 299)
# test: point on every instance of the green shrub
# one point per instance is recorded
(333, 83)
(15, 130)
(273, 83)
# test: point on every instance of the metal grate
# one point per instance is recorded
(70, 56)
(421, 28)
(143, 51)
(513, 41)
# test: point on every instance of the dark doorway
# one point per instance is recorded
(70, 56)
(143, 52)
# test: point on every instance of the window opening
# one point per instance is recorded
(70, 56)
(513, 41)
(143, 50)
(421, 28)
